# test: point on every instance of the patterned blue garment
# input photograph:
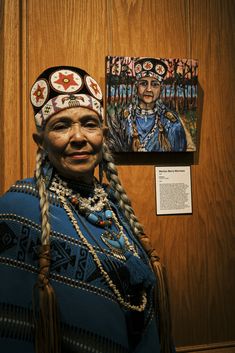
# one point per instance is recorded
(91, 318)
(148, 124)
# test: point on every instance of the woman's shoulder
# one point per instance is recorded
(20, 199)
(21, 187)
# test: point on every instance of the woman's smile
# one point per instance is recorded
(79, 155)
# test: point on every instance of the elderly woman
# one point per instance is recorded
(77, 272)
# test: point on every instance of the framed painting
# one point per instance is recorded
(151, 104)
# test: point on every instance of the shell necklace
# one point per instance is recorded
(91, 203)
(61, 189)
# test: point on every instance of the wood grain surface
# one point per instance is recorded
(198, 249)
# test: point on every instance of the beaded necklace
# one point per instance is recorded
(65, 194)
(87, 207)
(94, 203)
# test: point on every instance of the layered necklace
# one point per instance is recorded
(92, 207)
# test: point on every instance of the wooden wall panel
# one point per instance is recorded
(214, 46)
(144, 27)
(198, 249)
(10, 87)
(2, 162)
(71, 32)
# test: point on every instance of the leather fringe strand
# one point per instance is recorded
(47, 326)
(161, 297)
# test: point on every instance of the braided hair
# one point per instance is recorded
(161, 291)
(43, 197)
(47, 327)
(119, 192)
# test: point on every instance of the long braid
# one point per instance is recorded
(161, 292)
(47, 327)
(119, 192)
(44, 204)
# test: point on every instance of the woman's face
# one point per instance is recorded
(148, 90)
(73, 139)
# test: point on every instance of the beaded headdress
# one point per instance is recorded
(150, 67)
(62, 87)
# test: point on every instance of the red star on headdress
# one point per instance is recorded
(66, 80)
(160, 69)
(38, 93)
(148, 66)
(95, 87)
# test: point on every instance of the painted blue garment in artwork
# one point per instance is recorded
(157, 130)
(92, 320)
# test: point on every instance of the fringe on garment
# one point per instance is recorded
(47, 324)
(161, 297)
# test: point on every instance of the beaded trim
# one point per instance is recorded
(28, 188)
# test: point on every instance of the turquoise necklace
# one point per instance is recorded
(97, 210)
(93, 206)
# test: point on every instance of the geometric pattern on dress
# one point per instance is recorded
(61, 256)
(119, 274)
(91, 269)
(7, 238)
(81, 263)
(23, 243)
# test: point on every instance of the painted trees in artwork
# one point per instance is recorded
(179, 93)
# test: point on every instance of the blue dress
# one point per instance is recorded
(150, 124)
(92, 320)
